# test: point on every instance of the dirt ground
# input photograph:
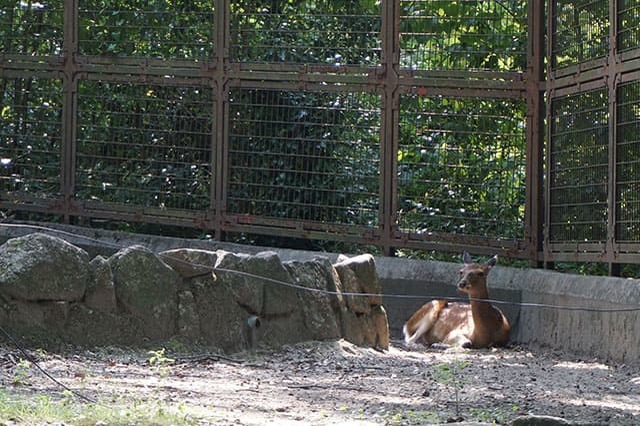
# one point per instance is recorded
(332, 383)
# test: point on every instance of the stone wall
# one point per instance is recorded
(52, 291)
(613, 336)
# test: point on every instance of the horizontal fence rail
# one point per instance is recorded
(403, 124)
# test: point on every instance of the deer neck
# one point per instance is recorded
(481, 310)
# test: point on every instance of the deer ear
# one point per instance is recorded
(491, 262)
(466, 258)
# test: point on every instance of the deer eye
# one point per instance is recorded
(481, 274)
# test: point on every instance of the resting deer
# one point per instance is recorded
(477, 324)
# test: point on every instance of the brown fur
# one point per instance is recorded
(477, 324)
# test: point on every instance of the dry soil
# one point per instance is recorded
(331, 383)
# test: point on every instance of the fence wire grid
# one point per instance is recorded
(404, 124)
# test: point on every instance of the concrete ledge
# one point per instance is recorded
(612, 336)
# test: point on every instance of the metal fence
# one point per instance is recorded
(404, 124)
(593, 116)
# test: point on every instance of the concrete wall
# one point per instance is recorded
(613, 336)
(410, 283)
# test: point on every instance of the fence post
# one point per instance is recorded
(69, 106)
(220, 137)
(534, 213)
(389, 125)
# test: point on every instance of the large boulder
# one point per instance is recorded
(358, 276)
(364, 321)
(39, 267)
(220, 318)
(101, 293)
(244, 286)
(318, 300)
(190, 263)
(147, 289)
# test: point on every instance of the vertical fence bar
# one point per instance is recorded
(389, 125)
(547, 261)
(220, 137)
(534, 212)
(69, 105)
(613, 77)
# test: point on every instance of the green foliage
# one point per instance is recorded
(44, 409)
(305, 155)
(461, 166)
(337, 32)
(451, 375)
(160, 362)
(440, 34)
(155, 28)
(582, 31)
(31, 27)
(629, 18)
(293, 154)
(21, 373)
(30, 135)
(579, 167)
(156, 154)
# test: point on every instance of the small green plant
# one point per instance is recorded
(159, 362)
(45, 409)
(412, 417)
(498, 416)
(451, 375)
(21, 372)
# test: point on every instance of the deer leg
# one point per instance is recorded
(410, 340)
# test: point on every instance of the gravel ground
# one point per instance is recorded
(330, 383)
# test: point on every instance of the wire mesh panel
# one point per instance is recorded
(628, 163)
(461, 35)
(158, 28)
(317, 32)
(290, 104)
(580, 31)
(579, 167)
(30, 129)
(305, 156)
(144, 145)
(31, 27)
(628, 25)
(461, 166)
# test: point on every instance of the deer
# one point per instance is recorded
(477, 324)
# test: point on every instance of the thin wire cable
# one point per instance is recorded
(290, 285)
(42, 370)
(339, 293)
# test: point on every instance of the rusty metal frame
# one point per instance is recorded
(607, 73)
(388, 80)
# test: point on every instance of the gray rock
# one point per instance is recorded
(50, 290)
(222, 319)
(92, 327)
(358, 275)
(146, 288)
(101, 294)
(319, 318)
(365, 321)
(240, 275)
(39, 267)
(188, 320)
(539, 421)
(190, 263)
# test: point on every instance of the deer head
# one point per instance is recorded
(473, 276)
